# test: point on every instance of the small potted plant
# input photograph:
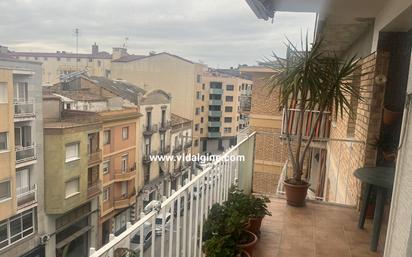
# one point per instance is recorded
(224, 233)
(258, 210)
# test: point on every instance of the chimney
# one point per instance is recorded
(95, 49)
(4, 50)
(119, 52)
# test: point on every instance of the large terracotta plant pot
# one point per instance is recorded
(255, 224)
(296, 193)
(390, 116)
(250, 244)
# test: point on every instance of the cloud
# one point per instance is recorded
(219, 32)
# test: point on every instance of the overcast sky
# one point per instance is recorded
(221, 33)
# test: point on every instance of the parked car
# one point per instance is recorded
(147, 235)
(159, 223)
(182, 205)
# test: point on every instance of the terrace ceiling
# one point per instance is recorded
(340, 22)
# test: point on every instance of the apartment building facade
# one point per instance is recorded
(219, 110)
(180, 168)
(97, 63)
(71, 201)
(119, 170)
(22, 217)
(175, 75)
(113, 150)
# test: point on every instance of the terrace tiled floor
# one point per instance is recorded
(317, 230)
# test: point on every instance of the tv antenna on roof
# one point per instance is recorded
(76, 34)
(125, 42)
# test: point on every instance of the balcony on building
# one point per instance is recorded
(24, 109)
(164, 126)
(322, 228)
(216, 124)
(125, 174)
(26, 196)
(213, 134)
(150, 129)
(125, 200)
(215, 102)
(93, 149)
(188, 144)
(93, 182)
(25, 154)
(177, 148)
(215, 113)
(146, 157)
(217, 91)
(165, 150)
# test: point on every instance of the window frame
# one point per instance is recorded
(6, 197)
(77, 179)
(107, 141)
(72, 159)
(125, 129)
(6, 133)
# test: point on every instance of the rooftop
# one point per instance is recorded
(318, 230)
(120, 88)
(61, 54)
(178, 120)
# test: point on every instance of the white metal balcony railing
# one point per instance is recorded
(180, 235)
(26, 195)
(25, 153)
(24, 108)
(321, 131)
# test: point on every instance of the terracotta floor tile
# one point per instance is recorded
(317, 230)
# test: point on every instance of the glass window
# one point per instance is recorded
(106, 193)
(197, 111)
(3, 93)
(125, 161)
(198, 78)
(230, 87)
(106, 167)
(3, 235)
(125, 133)
(3, 141)
(5, 190)
(72, 152)
(229, 98)
(228, 119)
(196, 127)
(106, 137)
(198, 95)
(72, 187)
(228, 109)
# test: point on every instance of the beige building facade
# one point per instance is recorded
(54, 65)
(219, 110)
(175, 75)
(21, 159)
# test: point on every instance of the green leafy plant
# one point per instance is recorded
(313, 80)
(258, 206)
(220, 246)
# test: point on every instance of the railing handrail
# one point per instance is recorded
(27, 190)
(29, 100)
(23, 148)
(176, 195)
(316, 111)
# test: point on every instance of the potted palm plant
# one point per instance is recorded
(310, 79)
